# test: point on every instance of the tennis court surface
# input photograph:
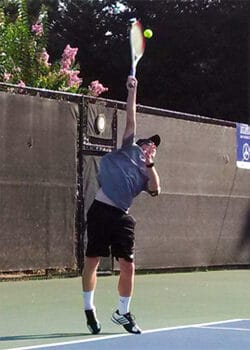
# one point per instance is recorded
(228, 335)
(197, 311)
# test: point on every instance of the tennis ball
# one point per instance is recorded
(148, 33)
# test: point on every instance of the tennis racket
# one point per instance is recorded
(137, 44)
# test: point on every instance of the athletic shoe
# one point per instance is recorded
(127, 321)
(93, 324)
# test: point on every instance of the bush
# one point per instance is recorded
(24, 59)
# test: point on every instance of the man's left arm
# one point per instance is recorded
(153, 185)
(154, 188)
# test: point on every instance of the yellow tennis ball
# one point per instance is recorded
(148, 33)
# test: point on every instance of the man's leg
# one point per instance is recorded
(122, 316)
(89, 280)
(126, 278)
(89, 273)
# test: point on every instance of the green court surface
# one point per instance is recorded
(50, 311)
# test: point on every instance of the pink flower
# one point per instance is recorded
(7, 76)
(68, 57)
(74, 80)
(96, 88)
(37, 29)
(21, 85)
(70, 52)
(72, 75)
(66, 63)
(44, 57)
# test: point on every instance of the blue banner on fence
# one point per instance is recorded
(243, 146)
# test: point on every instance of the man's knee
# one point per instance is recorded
(126, 267)
(91, 263)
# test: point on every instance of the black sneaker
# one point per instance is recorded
(127, 321)
(92, 323)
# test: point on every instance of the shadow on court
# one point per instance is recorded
(49, 336)
(224, 335)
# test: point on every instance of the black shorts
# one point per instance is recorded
(110, 230)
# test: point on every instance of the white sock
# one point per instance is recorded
(88, 300)
(123, 305)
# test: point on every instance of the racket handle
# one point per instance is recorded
(132, 72)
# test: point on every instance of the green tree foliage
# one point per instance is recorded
(23, 52)
(17, 50)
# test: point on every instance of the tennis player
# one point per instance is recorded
(123, 174)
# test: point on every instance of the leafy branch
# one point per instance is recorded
(24, 59)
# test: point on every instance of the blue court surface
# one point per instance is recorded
(224, 335)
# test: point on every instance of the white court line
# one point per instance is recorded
(198, 325)
(227, 328)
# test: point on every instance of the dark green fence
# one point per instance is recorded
(50, 147)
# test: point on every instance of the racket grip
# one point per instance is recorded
(132, 72)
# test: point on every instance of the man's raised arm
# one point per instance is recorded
(130, 128)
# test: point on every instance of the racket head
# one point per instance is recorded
(137, 44)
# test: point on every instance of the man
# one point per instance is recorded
(123, 174)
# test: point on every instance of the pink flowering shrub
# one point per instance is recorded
(24, 59)
(67, 61)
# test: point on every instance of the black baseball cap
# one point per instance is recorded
(155, 139)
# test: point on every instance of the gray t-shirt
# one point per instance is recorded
(123, 174)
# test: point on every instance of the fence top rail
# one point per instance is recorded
(78, 98)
